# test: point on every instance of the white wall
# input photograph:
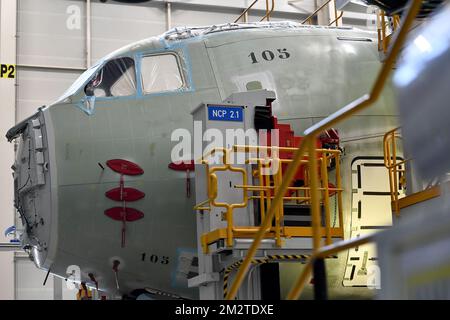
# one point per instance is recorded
(29, 283)
(7, 119)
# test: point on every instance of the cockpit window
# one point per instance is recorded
(117, 78)
(160, 73)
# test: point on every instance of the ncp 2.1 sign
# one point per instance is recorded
(225, 113)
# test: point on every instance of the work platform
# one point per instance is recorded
(236, 182)
(297, 240)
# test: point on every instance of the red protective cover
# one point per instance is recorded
(183, 166)
(125, 167)
(131, 214)
(128, 194)
(330, 136)
(287, 138)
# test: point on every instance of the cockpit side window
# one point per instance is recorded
(160, 73)
(117, 78)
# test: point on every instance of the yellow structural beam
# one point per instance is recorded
(347, 111)
(308, 142)
(420, 196)
(288, 176)
(323, 253)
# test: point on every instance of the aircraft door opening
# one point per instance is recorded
(370, 212)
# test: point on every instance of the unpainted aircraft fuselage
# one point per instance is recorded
(127, 106)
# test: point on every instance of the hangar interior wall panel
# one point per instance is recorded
(29, 283)
(7, 275)
(116, 25)
(182, 16)
(38, 87)
(51, 33)
(7, 117)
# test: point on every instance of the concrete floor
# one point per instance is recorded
(335, 274)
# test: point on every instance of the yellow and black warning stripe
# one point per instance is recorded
(289, 257)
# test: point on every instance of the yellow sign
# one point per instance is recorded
(8, 71)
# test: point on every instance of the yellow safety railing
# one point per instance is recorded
(269, 11)
(397, 176)
(384, 38)
(308, 145)
(396, 169)
(267, 185)
(337, 18)
(320, 8)
(384, 32)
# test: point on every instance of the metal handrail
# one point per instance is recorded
(265, 189)
(200, 206)
(245, 11)
(390, 162)
(386, 151)
(337, 19)
(266, 16)
(383, 37)
(315, 12)
(268, 12)
(308, 143)
(389, 137)
(384, 43)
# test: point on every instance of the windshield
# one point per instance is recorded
(117, 78)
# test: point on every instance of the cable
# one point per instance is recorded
(26, 182)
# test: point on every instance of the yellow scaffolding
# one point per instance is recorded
(264, 190)
(394, 167)
(397, 176)
(337, 17)
(384, 38)
(269, 11)
(308, 145)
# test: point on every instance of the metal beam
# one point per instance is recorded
(10, 247)
(88, 34)
(47, 67)
(168, 16)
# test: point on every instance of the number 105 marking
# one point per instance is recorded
(269, 55)
(155, 258)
